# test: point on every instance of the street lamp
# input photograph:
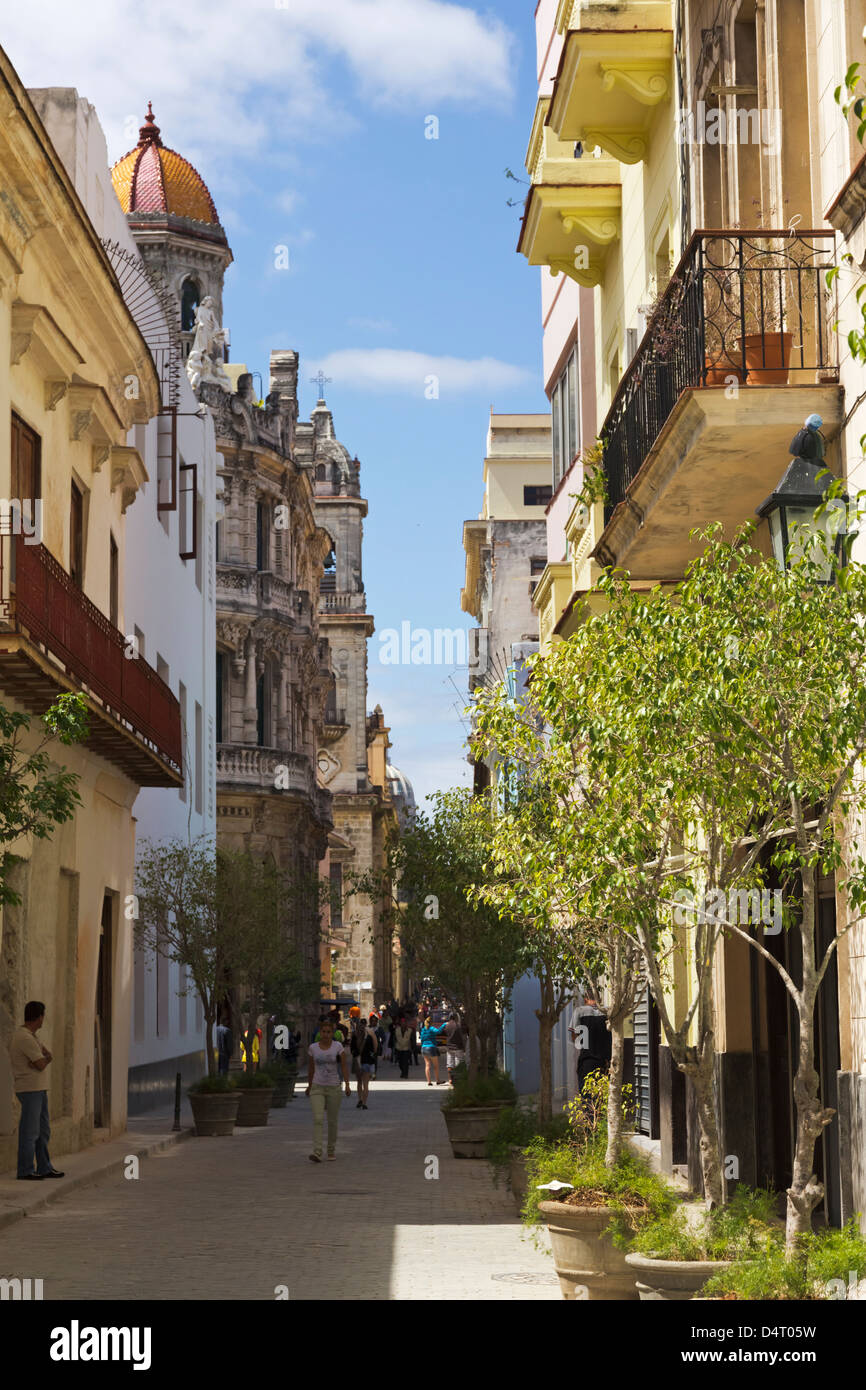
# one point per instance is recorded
(790, 508)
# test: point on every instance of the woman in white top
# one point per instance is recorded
(326, 1059)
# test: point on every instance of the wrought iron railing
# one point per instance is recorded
(742, 308)
(51, 608)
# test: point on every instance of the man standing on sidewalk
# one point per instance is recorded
(29, 1060)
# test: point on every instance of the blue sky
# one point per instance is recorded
(307, 121)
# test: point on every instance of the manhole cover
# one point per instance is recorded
(526, 1278)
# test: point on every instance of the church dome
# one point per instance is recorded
(401, 794)
(154, 179)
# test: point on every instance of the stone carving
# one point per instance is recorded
(204, 363)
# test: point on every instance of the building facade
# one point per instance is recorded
(695, 356)
(77, 383)
(352, 758)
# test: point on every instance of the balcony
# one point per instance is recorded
(616, 68)
(739, 351)
(250, 767)
(574, 208)
(341, 603)
(53, 639)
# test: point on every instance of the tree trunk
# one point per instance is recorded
(545, 1092)
(614, 1094)
(806, 1191)
(703, 1080)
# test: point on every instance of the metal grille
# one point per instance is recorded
(642, 1041)
(156, 313)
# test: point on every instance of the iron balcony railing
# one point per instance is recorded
(744, 308)
(45, 603)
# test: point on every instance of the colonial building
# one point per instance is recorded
(167, 580)
(352, 757)
(273, 665)
(695, 356)
(77, 386)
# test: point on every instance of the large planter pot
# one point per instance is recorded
(671, 1281)
(768, 357)
(254, 1107)
(588, 1263)
(215, 1113)
(518, 1178)
(720, 370)
(469, 1126)
(281, 1093)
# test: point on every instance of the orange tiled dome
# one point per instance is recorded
(152, 178)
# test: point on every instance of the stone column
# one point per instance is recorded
(282, 704)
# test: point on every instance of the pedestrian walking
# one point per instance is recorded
(326, 1060)
(225, 1047)
(455, 1045)
(29, 1060)
(365, 1048)
(591, 1039)
(430, 1051)
(403, 1036)
(416, 1045)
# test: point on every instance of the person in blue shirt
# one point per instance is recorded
(430, 1051)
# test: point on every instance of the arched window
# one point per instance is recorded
(189, 301)
(321, 473)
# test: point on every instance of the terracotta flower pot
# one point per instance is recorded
(720, 370)
(768, 357)
(671, 1281)
(588, 1263)
(215, 1113)
(254, 1107)
(469, 1125)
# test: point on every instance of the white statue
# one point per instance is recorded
(205, 361)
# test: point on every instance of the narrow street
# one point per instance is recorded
(234, 1218)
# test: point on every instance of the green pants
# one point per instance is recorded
(324, 1098)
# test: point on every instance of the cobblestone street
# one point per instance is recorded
(234, 1218)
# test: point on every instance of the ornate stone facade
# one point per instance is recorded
(352, 757)
(273, 666)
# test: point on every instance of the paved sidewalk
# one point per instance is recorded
(146, 1135)
(243, 1217)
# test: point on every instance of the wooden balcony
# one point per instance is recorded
(54, 640)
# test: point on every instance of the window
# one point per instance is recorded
(537, 564)
(564, 404)
(336, 895)
(76, 536)
(113, 582)
(220, 677)
(263, 530)
(26, 463)
(537, 496)
(199, 759)
(190, 298)
(181, 697)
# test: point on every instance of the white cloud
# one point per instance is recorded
(395, 369)
(226, 79)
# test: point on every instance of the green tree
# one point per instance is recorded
(34, 798)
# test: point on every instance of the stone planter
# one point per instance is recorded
(469, 1126)
(518, 1178)
(588, 1263)
(671, 1281)
(254, 1107)
(293, 1077)
(214, 1113)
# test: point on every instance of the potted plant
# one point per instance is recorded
(473, 1108)
(505, 1148)
(256, 1089)
(214, 1101)
(673, 1257)
(283, 1079)
(830, 1264)
(590, 1208)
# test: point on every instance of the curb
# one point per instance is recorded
(143, 1148)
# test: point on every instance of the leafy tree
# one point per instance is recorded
(33, 798)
